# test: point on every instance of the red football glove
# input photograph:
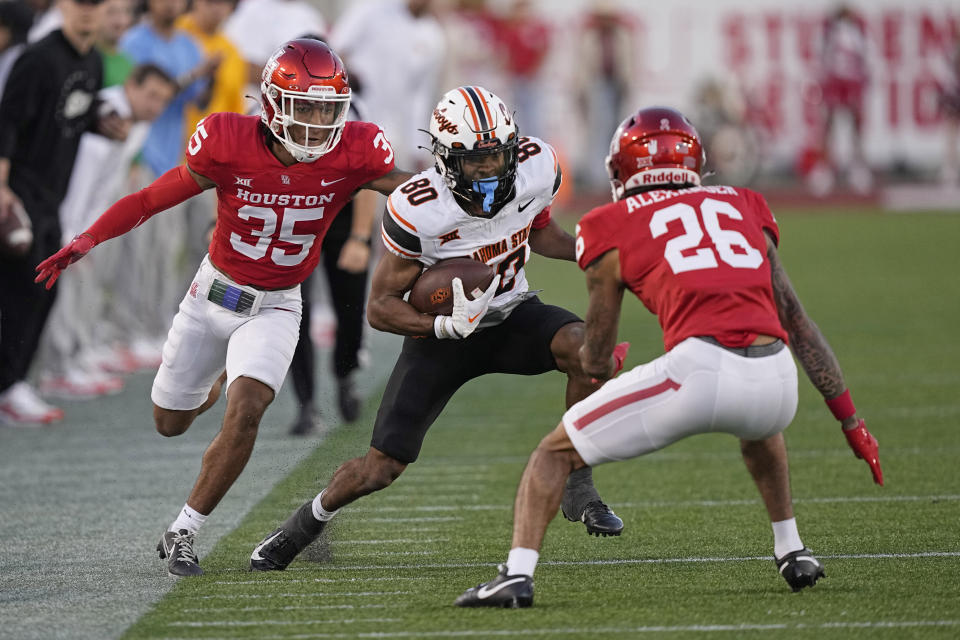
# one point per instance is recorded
(619, 355)
(865, 447)
(55, 264)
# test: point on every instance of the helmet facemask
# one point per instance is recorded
(475, 145)
(317, 111)
(457, 165)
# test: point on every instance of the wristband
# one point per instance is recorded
(359, 238)
(443, 328)
(842, 406)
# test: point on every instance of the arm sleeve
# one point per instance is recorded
(170, 189)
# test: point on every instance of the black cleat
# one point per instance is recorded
(278, 549)
(348, 400)
(800, 569)
(506, 592)
(599, 519)
(176, 547)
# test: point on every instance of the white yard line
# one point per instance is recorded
(263, 623)
(629, 561)
(588, 632)
(324, 580)
(321, 594)
(505, 506)
(311, 607)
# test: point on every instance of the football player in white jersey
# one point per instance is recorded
(488, 198)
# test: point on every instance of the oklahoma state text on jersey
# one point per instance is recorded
(271, 219)
(697, 258)
(424, 222)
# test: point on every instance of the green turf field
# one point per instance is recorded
(694, 560)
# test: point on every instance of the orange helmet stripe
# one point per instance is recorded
(486, 107)
(473, 112)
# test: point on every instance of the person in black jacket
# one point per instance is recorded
(346, 255)
(48, 102)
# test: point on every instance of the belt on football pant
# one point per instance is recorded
(244, 301)
(752, 351)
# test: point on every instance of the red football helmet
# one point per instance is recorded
(655, 146)
(304, 84)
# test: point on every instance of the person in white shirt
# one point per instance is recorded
(258, 27)
(81, 318)
(394, 48)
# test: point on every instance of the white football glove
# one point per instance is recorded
(467, 313)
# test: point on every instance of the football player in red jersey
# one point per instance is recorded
(281, 178)
(704, 260)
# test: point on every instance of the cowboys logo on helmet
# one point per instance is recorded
(475, 146)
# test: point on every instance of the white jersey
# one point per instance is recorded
(424, 222)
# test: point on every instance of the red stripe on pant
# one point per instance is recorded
(623, 401)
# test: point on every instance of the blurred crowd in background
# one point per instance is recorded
(823, 99)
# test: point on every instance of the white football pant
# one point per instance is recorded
(696, 387)
(205, 335)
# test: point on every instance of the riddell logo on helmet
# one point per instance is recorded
(444, 124)
(659, 177)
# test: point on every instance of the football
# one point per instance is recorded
(433, 293)
(16, 233)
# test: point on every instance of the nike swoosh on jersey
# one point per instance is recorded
(256, 552)
(324, 183)
(525, 205)
(485, 592)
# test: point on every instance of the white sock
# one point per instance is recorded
(785, 537)
(319, 512)
(522, 561)
(189, 519)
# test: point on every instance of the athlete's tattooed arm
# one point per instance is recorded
(603, 315)
(808, 344)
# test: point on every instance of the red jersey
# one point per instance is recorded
(271, 219)
(697, 258)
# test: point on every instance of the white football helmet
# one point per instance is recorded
(471, 123)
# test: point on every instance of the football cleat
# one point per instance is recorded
(278, 549)
(800, 569)
(176, 547)
(506, 592)
(599, 519)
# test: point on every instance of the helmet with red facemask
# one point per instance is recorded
(304, 91)
(655, 147)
